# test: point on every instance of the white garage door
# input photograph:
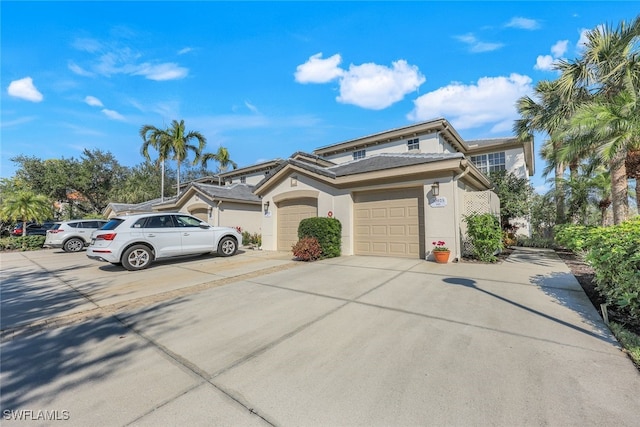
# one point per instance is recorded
(388, 223)
(290, 213)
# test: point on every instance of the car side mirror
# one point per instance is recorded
(205, 225)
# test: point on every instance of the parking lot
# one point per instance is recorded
(258, 339)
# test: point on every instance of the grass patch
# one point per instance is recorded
(629, 340)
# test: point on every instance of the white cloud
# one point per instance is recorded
(76, 69)
(24, 89)
(185, 50)
(547, 62)
(318, 70)
(523, 23)
(377, 86)
(112, 114)
(367, 85)
(491, 101)
(160, 72)
(477, 46)
(560, 48)
(544, 63)
(251, 107)
(583, 40)
(93, 101)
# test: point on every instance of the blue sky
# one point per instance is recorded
(266, 79)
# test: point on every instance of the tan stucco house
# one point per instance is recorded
(394, 192)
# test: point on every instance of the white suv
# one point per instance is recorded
(72, 236)
(136, 240)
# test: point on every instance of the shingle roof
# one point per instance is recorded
(240, 192)
(389, 161)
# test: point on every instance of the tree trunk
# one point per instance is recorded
(559, 196)
(162, 181)
(619, 188)
(178, 191)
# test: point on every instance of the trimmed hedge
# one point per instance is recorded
(328, 232)
(22, 243)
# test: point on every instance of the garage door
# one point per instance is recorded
(201, 213)
(388, 223)
(290, 213)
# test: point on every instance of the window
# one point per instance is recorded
(491, 162)
(243, 180)
(359, 154)
(413, 144)
(187, 221)
(162, 221)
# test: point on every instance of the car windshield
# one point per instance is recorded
(113, 224)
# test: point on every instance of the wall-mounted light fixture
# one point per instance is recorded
(209, 211)
(435, 189)
(294, 181)
(266, 207)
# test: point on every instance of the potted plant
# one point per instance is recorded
(441, 252)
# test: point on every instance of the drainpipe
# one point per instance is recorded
(218, 213)
(456, 208)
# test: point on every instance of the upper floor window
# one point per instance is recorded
(243, 180)
(359, 154)
(413, 144)
(491, 162)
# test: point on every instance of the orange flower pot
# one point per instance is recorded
(442, 257)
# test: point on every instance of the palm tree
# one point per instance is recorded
(222, 157)
(153, 137)
(181, 146)
(609, 70)
(173, 141)
(549, 113)
(26, 205)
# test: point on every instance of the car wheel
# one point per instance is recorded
(227, 246)
(73, 245)
(137, 257)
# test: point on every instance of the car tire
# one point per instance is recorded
(137, 257)
(73, 245)
(227, 246)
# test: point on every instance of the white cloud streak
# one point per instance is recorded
(93, 101)
(24, 89)
(491, 101)
(477, 46)
(318, 70)
(523, 23)
(113, 114)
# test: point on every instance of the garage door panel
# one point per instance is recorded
(290, 213)
(388, 223)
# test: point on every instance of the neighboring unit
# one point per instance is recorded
(72, 236)
(136, 240)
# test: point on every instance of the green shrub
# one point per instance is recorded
(307, 249)
(536, 242)
(23, 243)
(328, 232)
(251, 239)
(485, 236)
(614, 254)
(575, 237)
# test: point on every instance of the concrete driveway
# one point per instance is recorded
(259, 340)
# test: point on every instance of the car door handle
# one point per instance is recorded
(151, 235)
(186, 234)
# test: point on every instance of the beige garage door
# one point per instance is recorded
(388, 223)
(290, 213)
(201, 213)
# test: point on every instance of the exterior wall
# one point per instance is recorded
(247, 217)
(329, 199)
(441, 222)
(430, 143)
(515, 163)
(251, 179)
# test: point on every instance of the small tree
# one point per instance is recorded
(485, 235)
(515, 197)
(26, 205)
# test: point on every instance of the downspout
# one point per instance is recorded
(218, 213)
(456, 209)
